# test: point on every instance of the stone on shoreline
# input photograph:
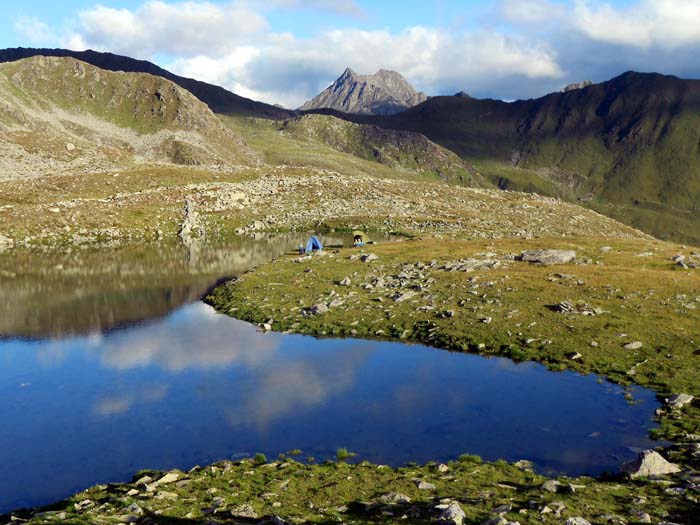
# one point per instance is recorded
(649, 464)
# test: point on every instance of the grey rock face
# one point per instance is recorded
(679, 401)
(548, 256)
(452, 514)
(384, 93)
(577, 85)
(649, 464)
(577, 521)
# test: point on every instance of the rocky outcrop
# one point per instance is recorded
(649, 464)
(384, 93)
(577, 85)
(548, 257)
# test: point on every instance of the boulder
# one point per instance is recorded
(424, 485)
(369, 257)
(551, 485)
(170, 477)
(244, 511)
(6, 243)
(453, 514)
(318, 309)
(649, 464)
(394, 497)
(679, 401)
(345, 282)
(577, 520)
(548, 257)
(634, 345)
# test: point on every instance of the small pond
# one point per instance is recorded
(96, 398)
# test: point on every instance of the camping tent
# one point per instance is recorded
(313, 244)
(359, 238)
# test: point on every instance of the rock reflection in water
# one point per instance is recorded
(56, 294)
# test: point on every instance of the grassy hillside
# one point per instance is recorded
(402, 150)
(218, 99)
(59, 114)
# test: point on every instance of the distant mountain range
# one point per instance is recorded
(628, 147)
(384, 93)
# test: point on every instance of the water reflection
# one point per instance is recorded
(195, 386)
(56, 294)
(117, 369)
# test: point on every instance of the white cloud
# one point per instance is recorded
(523, 48)
(668, 24)
(531, 11)
(179, 29)
(340, 7)
(288, 70)
(33, 29)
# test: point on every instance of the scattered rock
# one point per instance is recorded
(70, 146)
(452, 514)
(170, 477)
(551, 486)
(401, 297)
(577, 520)
(345, 282)
(641, 517)
(649, 464)
(369, 257)
(6, 243)
(394, 497)
(424, 485)
(317, 309)
(244, 511)
(679, 401)
(548, 257)
(502, 509)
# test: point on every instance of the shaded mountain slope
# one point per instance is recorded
(384, 93)
(217, 98)
(633, 141)
(401, 150)
(60, 114)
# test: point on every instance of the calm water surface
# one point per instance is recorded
(95, 399)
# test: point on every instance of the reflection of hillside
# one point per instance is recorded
(58, 294)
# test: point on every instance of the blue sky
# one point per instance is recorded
(285, 51)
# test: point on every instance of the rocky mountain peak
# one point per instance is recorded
(577, 85)
(384, 93)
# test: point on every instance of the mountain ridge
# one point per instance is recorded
(633, 141)
(220, 100)
(58, 114)
(385, 92)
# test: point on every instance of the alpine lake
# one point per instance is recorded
(110, 363)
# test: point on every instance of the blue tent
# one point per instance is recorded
(313, 244)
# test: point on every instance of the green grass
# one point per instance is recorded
(637, 295)
(340, 492)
